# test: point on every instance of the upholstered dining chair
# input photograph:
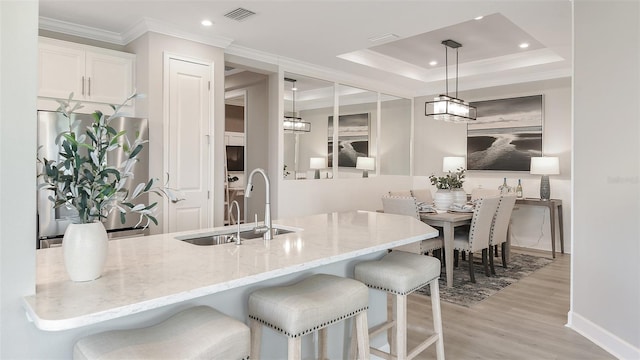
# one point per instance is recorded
(408, 205)
(479, 193)
(423, 195)
(500, 228)
(477, 237)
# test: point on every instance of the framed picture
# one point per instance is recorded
(506, 134)
(353, 139)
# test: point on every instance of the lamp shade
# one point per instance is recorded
(547, 165)
(365, 163)
(317, 163)
(453, 163)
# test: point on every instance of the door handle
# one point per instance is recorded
(83, 86)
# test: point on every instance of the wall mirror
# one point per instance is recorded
(356, 133)
(306, 154)
(394, 147)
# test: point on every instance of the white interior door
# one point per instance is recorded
(189, 163)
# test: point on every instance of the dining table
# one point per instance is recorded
(448, 221)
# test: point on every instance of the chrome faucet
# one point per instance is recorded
(266, 229)
(234, 202)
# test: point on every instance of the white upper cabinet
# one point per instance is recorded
(91, 73)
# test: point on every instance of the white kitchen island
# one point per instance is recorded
(146, 279)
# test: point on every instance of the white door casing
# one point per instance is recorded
(188, 144)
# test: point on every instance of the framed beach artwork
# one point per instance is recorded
(353, 139)
(506, 134)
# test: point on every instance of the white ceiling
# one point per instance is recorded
(334, 35)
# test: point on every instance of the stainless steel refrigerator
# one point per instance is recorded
(53, 222)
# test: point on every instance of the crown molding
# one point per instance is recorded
(312, 70)
(88, 32)
(137, 30)
(152, 25)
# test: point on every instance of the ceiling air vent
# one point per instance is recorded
(239, 14)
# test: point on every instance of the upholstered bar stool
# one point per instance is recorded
(400, 273)
(309, 305)
(196, 333)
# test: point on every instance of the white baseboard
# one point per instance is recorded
(603, 338)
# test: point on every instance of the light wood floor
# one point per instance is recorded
(524, 321)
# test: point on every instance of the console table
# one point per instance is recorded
(554, 205)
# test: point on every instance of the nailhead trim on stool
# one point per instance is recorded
(196, 333)
(400, 273)
(309, 305)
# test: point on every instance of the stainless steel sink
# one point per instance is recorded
(249, 234)
(211, 240)
(228, 237)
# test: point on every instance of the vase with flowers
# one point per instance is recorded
(82, 181)
(449, 189)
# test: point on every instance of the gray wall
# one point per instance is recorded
(606, 266)
(18, 64)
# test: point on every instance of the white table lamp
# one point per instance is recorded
(365, 164)
(453, 163)
(317, 163)
(545, 166)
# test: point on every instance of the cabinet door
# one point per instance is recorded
(109, 78)
(60, 71)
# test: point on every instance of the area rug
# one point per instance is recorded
(468, 294)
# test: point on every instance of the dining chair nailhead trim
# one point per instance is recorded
(302, 333)
(400, 293)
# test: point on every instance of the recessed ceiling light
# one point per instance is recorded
(206, 23)
(478, 18)
(524, 45)
(433, 63)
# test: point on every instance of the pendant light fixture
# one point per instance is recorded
(445, 107)
(293, 123)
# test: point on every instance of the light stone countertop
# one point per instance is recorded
(148, 272)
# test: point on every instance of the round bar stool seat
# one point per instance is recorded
(196, 333)
(309, 305)
(401, 273)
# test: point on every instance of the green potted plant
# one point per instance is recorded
(449, 189)
(81, 180)
(455, 183)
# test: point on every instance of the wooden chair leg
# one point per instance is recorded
(256, 338)
(391, 336)
(455, 258)
(362, 333)
(434, 287)
(504, 255)
(493, 269)
(294, 348)
(485, 262)
(496, 250)
(322, 343)
(401, 326)
(471, 275)
(464, 255)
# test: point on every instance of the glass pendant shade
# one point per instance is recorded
(294, 124)
(445, 107)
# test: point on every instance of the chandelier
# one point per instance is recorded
(445, 107)
(294, 124)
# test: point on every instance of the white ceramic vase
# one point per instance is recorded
(459, 196)
(443, 199)
(85, 250)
